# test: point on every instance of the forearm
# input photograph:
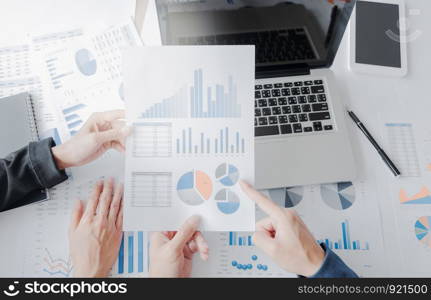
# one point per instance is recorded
(28, 171)
(333, 267)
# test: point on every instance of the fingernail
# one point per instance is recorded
(244, 183)
(195, 220)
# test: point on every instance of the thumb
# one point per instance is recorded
(116, 134)
(186, 232)
(264, 241)
(158, 239)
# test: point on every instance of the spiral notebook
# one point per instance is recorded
(18, 128)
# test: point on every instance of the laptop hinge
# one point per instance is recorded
(293, 70)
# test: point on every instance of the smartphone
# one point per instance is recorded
(378, 43)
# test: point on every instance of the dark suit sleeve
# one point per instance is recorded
(333, 266)
(26, 173)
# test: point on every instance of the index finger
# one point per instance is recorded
(267, 205)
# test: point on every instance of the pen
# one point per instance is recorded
(368, 135)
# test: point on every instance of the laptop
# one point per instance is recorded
(301, 136)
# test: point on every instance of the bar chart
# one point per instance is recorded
(226, 142)
(195, 101)
(345, 242)
(132, 257)
(72, 117)
(236, 239)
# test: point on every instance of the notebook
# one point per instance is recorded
(17, 129)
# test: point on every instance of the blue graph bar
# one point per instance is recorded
(192, 102)
(237, 142)
(74, 108)
(343, 225)
(121, 258)
(74, 124)
(190, 140)
(71, 117)
(227, 139)
(231, 240)
(221, 141)
(130, 253)
(140, 251)
(184, 141)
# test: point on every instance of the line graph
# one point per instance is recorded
(56, 266)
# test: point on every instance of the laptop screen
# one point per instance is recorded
(288, 35)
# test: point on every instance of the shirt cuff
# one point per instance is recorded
(43, 163)
(333, 266)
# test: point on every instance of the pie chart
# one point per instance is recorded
(227, 174)
(194, 187)
(339, 196)
(423, 230)
(227, 201)
(86, 62)
(287, 197)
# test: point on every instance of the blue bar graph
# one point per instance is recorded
(221, 102)
(240, 240)
(132, 254)
(227, 142)
(345, 243)
(72, 117)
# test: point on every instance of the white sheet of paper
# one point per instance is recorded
(193, 139)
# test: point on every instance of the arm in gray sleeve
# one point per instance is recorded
(333, 266)
(27, 172)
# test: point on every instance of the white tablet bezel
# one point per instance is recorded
(375, 69)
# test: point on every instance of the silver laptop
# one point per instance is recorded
(300, 121)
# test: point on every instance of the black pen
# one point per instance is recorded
(368, 135)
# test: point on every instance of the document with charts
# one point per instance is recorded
(193, 137)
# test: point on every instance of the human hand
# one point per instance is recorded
(95, 232)
(171, 253)
(284, 237)
(101, 132)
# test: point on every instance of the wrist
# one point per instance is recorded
(59, 154)
(315, 260)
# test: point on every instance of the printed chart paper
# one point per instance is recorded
(193, 137)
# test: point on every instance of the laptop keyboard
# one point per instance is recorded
(292, 108)
(271, 46)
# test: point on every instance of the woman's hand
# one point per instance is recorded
(171, 253)
(95, 232)
(284, 237)
(101, 132)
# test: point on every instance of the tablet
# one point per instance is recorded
(378, 38)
